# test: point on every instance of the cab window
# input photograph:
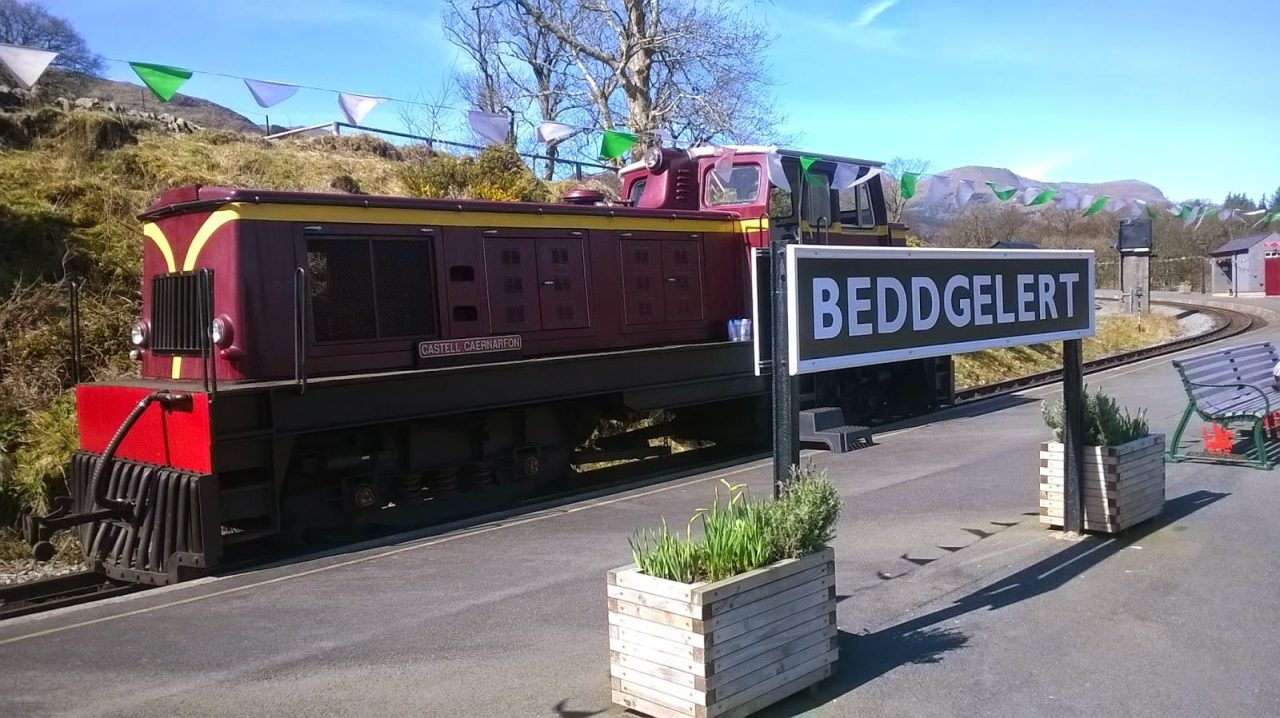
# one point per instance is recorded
(637, 191)
(743, 187)
(817, 199)
(855, 207)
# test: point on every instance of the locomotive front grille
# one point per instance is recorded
(175, 531)
(179, 313)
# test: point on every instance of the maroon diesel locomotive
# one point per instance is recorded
(312, 360)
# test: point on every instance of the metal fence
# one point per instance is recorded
(561, 167)
(1168, 274)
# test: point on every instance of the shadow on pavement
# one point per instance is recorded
(920, 640)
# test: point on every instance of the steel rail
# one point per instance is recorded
(46, 594)
(1234, 323)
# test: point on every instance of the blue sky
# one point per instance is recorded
(1177, 93)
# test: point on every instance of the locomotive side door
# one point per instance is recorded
(512, 269)
(562, 283)
(682, 279)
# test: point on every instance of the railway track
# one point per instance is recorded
(1232, 323)
(61, 591)
(46, 594)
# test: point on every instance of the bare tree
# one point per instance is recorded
(893, 171)
(685, 65)
(29, 24)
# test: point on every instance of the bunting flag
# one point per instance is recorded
(846, 175)
(1152, 212)
(162, 80)
(1004, 195)
(939, 185)
(1097, 206)
(1226, 215)
(907, 185)
(1254, 213)
(1042, 197)
(722, 167)
(492, 126)
(355, 107)
(1191, 215)
(777, 176)
(964, 191)
(615, 144)
(806, 162)
(26, 64)
(269, 94)
(549, 132)
(1115, 205)
(1267, 218)
(1069, 201)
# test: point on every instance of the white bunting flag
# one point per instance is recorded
(964, 191)
(1226, 215)
(355, 107)
(1254, 213)
(494, 127)
(549, 132)
(722, 167)
(1137, 208)
(1114, 206)
(939, 185)
(26, 64)
(664, 137)
(845, 175)
(269, 94)
(1192, 216)
(777, 177)
(1029, 194)
(1069, 201)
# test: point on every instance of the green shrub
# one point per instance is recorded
(739, 534)
(1105, 423)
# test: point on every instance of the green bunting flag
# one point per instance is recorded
(615, 144)
(1097, 206)
(806, 162)
(1152, 212)
(1043, 197)
(162, 80)
(1004, 195)
(1184, 212)
(908, 184)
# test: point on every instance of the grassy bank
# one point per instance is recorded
(1116, 333)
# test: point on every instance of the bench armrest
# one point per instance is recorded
(1265, 401)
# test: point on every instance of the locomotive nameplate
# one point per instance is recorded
(854, 306)
(469, 345)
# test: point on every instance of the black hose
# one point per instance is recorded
(97, 488)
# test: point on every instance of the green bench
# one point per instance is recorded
(1229, 386)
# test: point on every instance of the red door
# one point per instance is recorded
(1273, 273)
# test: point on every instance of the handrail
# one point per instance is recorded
(299, 329)
(208, 360)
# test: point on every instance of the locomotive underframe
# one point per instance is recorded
(361, 449)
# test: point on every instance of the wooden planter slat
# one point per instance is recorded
(724, 609)
(648, 600)
(1122, 485)
(728, 647)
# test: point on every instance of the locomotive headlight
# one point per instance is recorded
(221, 332)
(140, 334)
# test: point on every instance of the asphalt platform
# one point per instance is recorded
(954, 600)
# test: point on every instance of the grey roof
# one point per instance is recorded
(1240, 245)
(1014, 244)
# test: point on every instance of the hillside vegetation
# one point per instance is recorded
(71, 184)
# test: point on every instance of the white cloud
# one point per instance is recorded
(872, 11)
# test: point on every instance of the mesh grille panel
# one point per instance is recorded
(179, 322)
(370, 289)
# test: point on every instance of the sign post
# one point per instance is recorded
(1073, 435)
(786, 429)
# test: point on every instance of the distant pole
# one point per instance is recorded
(268, 117)
(1073, 434)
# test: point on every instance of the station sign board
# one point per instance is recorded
(855, 306)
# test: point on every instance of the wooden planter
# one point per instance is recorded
(1123, 485)
(727, 648)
